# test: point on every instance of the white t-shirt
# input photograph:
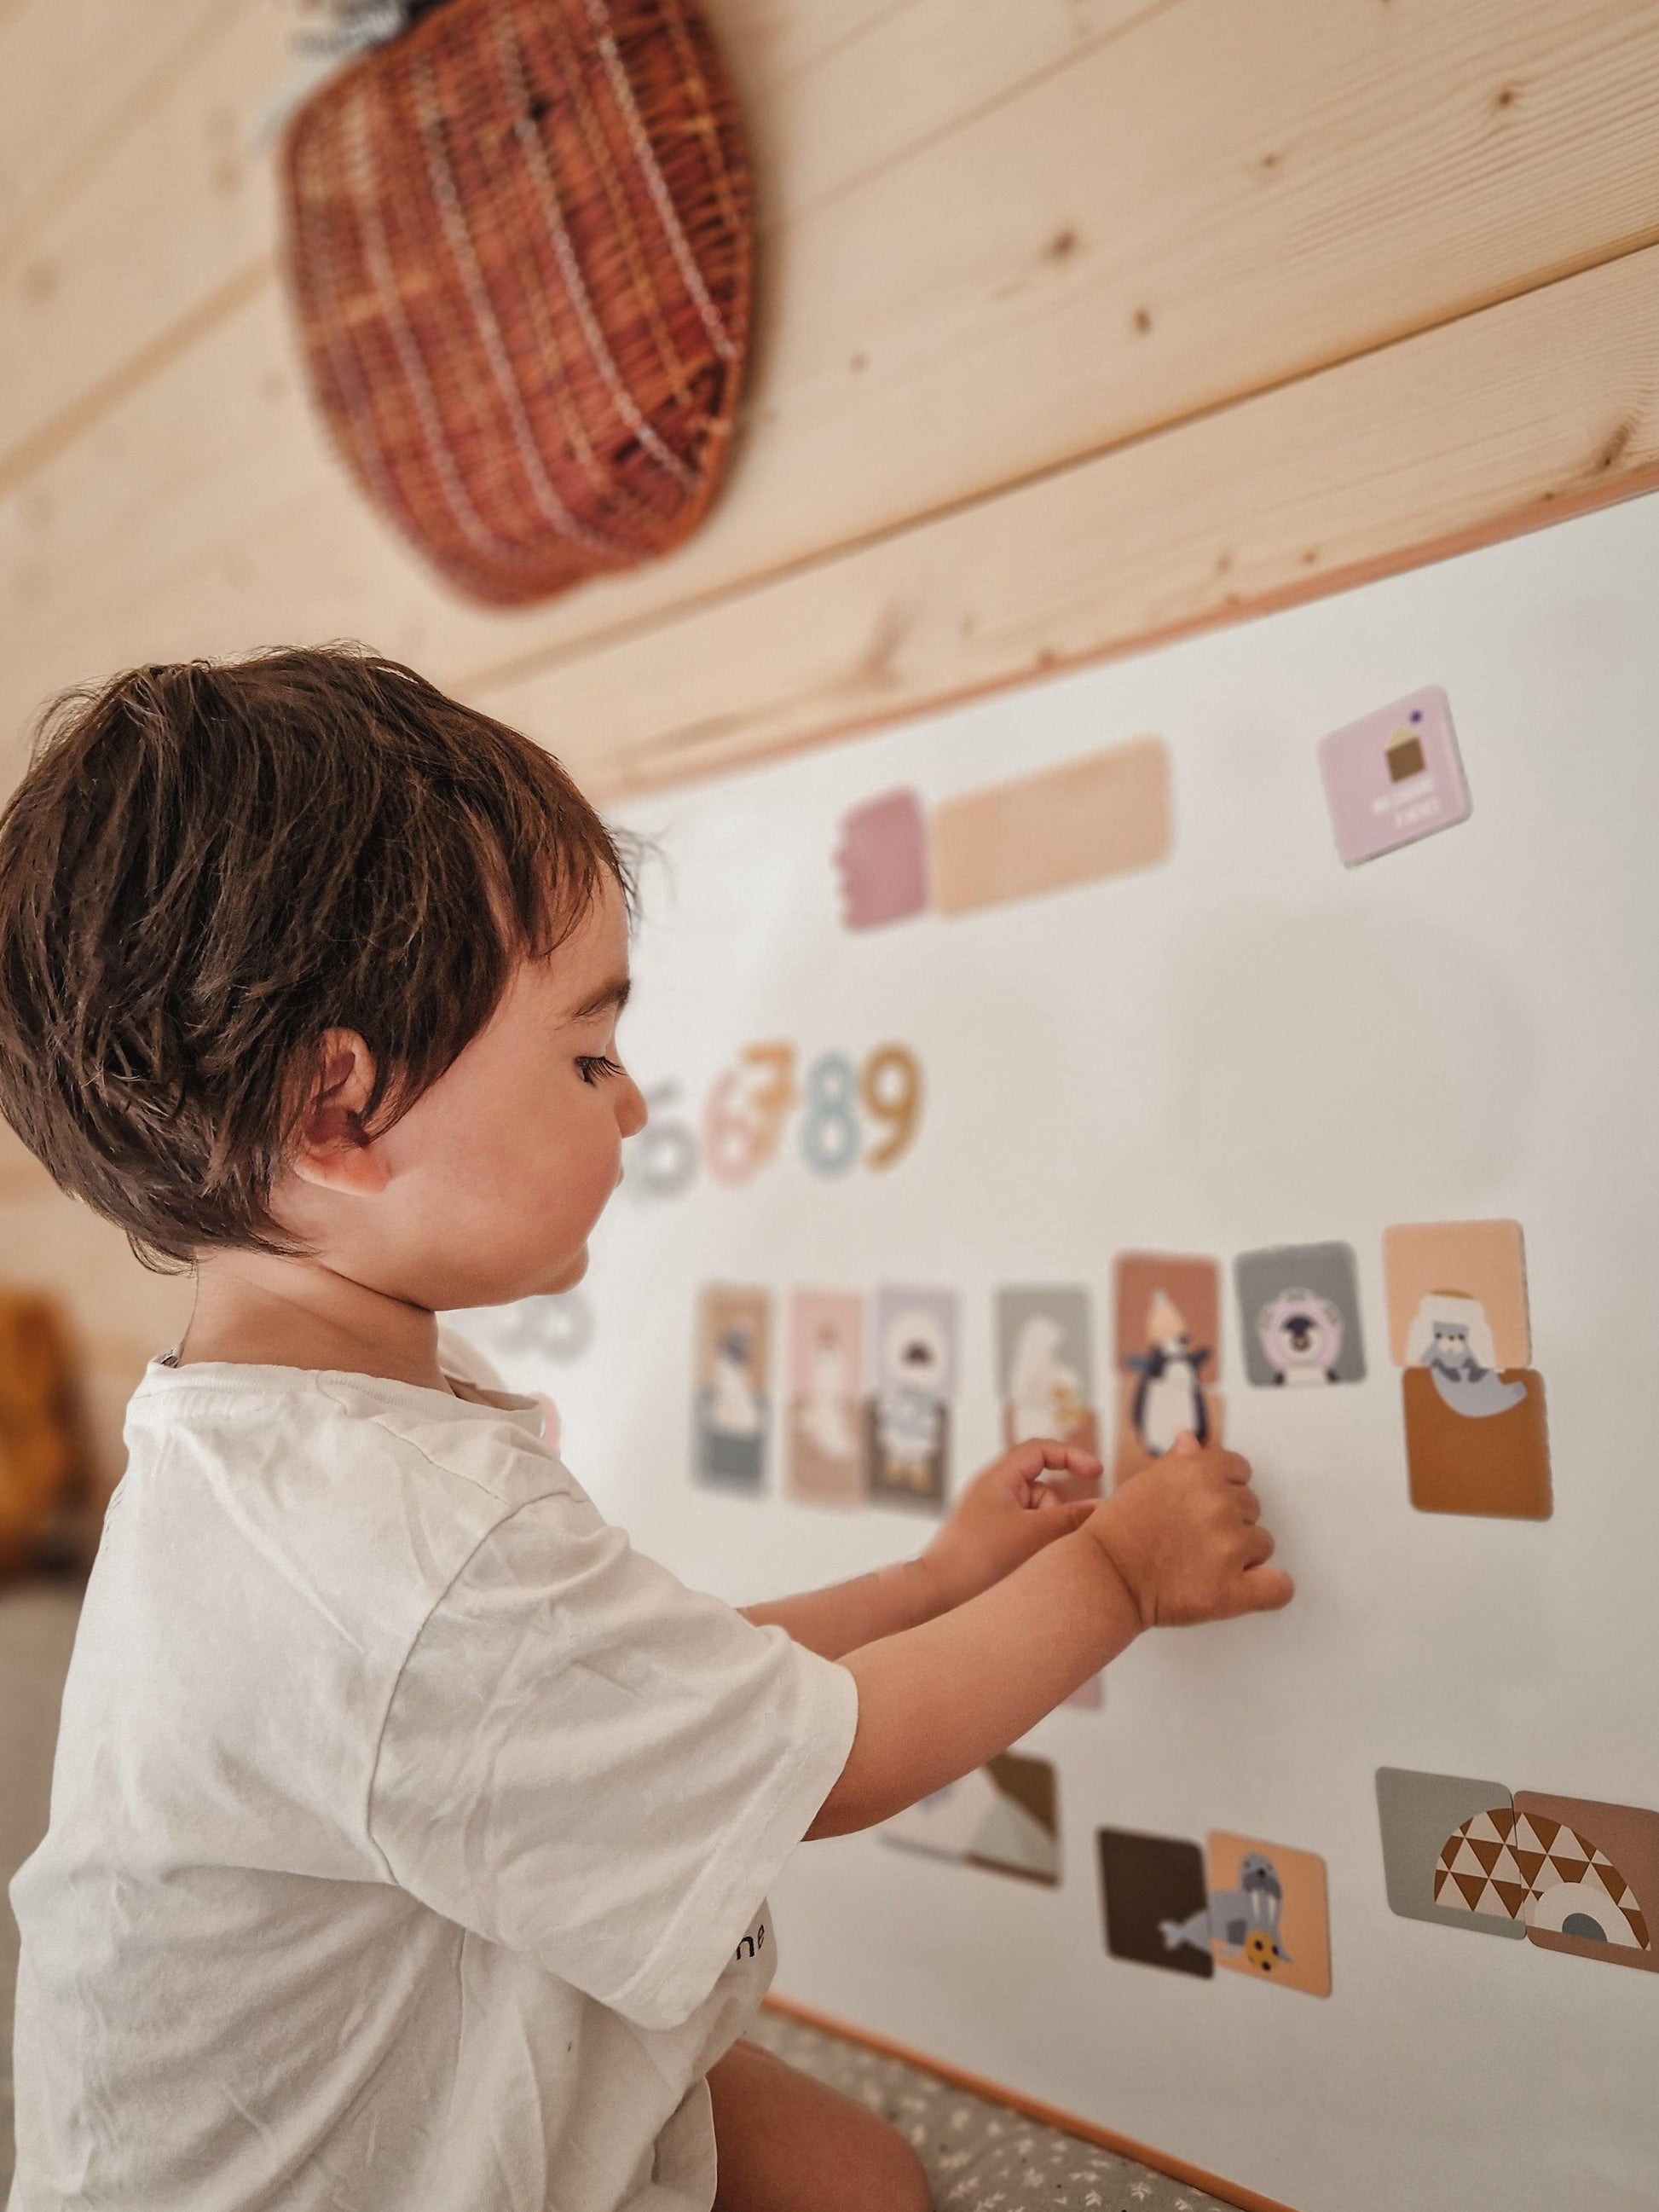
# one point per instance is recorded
(409, 1832)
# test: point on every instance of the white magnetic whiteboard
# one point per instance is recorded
(1247, 1046)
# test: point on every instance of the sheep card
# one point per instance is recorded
(908, 1413)
(823, 1460)
(1101, 815)
(1298, 1314)
(1441, 1841)
(732, 1405)
(1004, 1816)
(1394, 776)
(1151, 1891)
(1593, 1878)
(1476, 1436)
(1045, 1369)
(1167, 1357)
(1266, 1914)
(881, 858)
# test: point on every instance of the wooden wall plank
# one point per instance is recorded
(177, 209)
(1503, 419)
(1265, 200)
(74, 80)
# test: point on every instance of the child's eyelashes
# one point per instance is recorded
(594, 1067)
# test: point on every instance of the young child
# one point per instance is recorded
(410, 1831)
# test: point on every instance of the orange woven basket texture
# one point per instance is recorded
(520, 238)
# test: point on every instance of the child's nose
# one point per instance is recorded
(631, 1111)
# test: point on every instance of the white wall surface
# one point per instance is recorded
(1250, 1046)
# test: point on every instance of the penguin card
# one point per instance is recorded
(1476, 1437)
(1045, 1367)
(733, 1405)
(1298, 1314)
(1152, 1891)
(1005, 1817)
(1596, 1893)
(1168, 1353)
(1394, 776)
(824, 1436)
(1441, 1841)
(908, 1416)
(881, 858)
(1266, 1914)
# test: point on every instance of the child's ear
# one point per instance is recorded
(330, 1147)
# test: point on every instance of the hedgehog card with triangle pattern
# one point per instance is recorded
(1569, 1874)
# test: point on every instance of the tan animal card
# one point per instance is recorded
(1167, 1350)
(825, 1460)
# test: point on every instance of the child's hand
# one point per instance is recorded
(1006, 1513)
(1186, 1538)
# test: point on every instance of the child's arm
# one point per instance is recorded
(1179, 1542)
(1003, 1518)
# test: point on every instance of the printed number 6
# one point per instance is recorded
(663, 1158)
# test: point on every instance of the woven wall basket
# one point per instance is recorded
(519, 240)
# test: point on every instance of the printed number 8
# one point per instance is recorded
(830, 1138)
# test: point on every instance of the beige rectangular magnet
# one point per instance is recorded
(1100, 816)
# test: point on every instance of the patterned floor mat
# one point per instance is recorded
(980, 2157)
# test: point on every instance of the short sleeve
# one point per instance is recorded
(591, 1764)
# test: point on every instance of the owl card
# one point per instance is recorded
(1298, 1315)
(1167, 1343)
(1152, 1892)
(733, 1405)
(1476, 1437)
(824, 1455)
(1004, 1816)
(1045, 1367)
(1266, 1914)
(908, 1416)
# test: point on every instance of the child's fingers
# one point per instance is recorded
(1047, 1456)
(1185, 1443)
(1264, 1589)
(1249, 1505)
(1259, 1544)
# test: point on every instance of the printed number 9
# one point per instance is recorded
(891, 1091)
(829, 1134)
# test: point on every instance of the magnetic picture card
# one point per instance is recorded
(1267, 1912)
(1483, 1262)
(1394, 776)
(1298, 1315)
(1594, 1892)
(908, 1411)
(1167, 1351)
(1477, 1438)
(1004, 1817)
(825, 1437)
(1443, 1836)
(1045, 1366)
(732, 1411)
(1152, 1890)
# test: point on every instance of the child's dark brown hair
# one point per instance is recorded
(208, 866)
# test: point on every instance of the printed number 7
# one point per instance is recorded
(742, 1123)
